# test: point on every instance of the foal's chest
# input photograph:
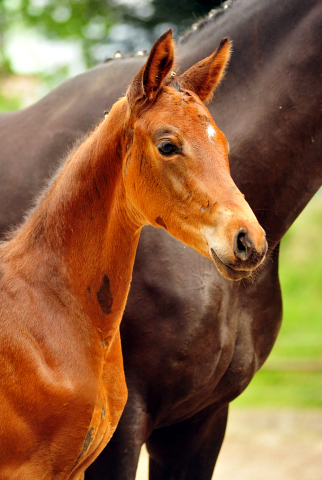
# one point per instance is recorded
(109, 404)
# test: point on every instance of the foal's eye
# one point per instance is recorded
(167, 148)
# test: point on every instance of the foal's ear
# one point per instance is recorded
(203, 77)
(149, 79)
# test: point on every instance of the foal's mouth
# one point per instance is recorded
(227, 271)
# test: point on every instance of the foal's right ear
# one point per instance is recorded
(149, 79)
(204, 77)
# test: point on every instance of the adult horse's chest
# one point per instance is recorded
(231, 343)
(212, 334)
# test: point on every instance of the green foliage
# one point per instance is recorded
(90, 21)
(301, 274)
(87, 20)
(9, 104)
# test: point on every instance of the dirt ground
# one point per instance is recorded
(265, 444)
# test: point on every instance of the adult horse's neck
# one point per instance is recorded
(81, 231)
(270, 104)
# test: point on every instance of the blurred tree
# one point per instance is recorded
(181, 13)
(90, 21)
(85, 20)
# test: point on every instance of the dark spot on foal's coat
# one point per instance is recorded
(205, 118)
(86, 444)
(88, 439)
(118, 150)
(160, 221)
(141, 163)
(104, 296)
(97, 190)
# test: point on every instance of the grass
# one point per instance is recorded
(299, 343)
(276, 388)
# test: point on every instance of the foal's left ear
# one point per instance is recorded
(149, 79)
(204, 77)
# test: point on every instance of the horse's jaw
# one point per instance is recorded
(226, 271)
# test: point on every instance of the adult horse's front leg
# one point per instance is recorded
(188, 450)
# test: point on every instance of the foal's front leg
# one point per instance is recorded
(119, 459)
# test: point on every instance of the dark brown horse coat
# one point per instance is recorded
(191, 340)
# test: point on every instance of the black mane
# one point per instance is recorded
(212, 16)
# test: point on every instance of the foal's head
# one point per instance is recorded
(175, 162)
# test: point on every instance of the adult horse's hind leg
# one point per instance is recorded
(187, 450)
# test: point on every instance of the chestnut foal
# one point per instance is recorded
(157, 158)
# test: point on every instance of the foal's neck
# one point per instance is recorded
(82, 228)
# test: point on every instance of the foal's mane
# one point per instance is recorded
(55, 169)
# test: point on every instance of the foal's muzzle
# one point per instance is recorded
(246, 256)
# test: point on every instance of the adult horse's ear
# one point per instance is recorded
(149, 79)
(204, 77)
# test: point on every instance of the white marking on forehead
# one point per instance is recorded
(211, 132)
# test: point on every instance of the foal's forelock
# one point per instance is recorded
(172, 82)
(144, 103)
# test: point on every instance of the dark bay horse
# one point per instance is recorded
(157, 158)
(191, 340)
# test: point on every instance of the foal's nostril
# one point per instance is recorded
(240, 246)
(243, 245)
